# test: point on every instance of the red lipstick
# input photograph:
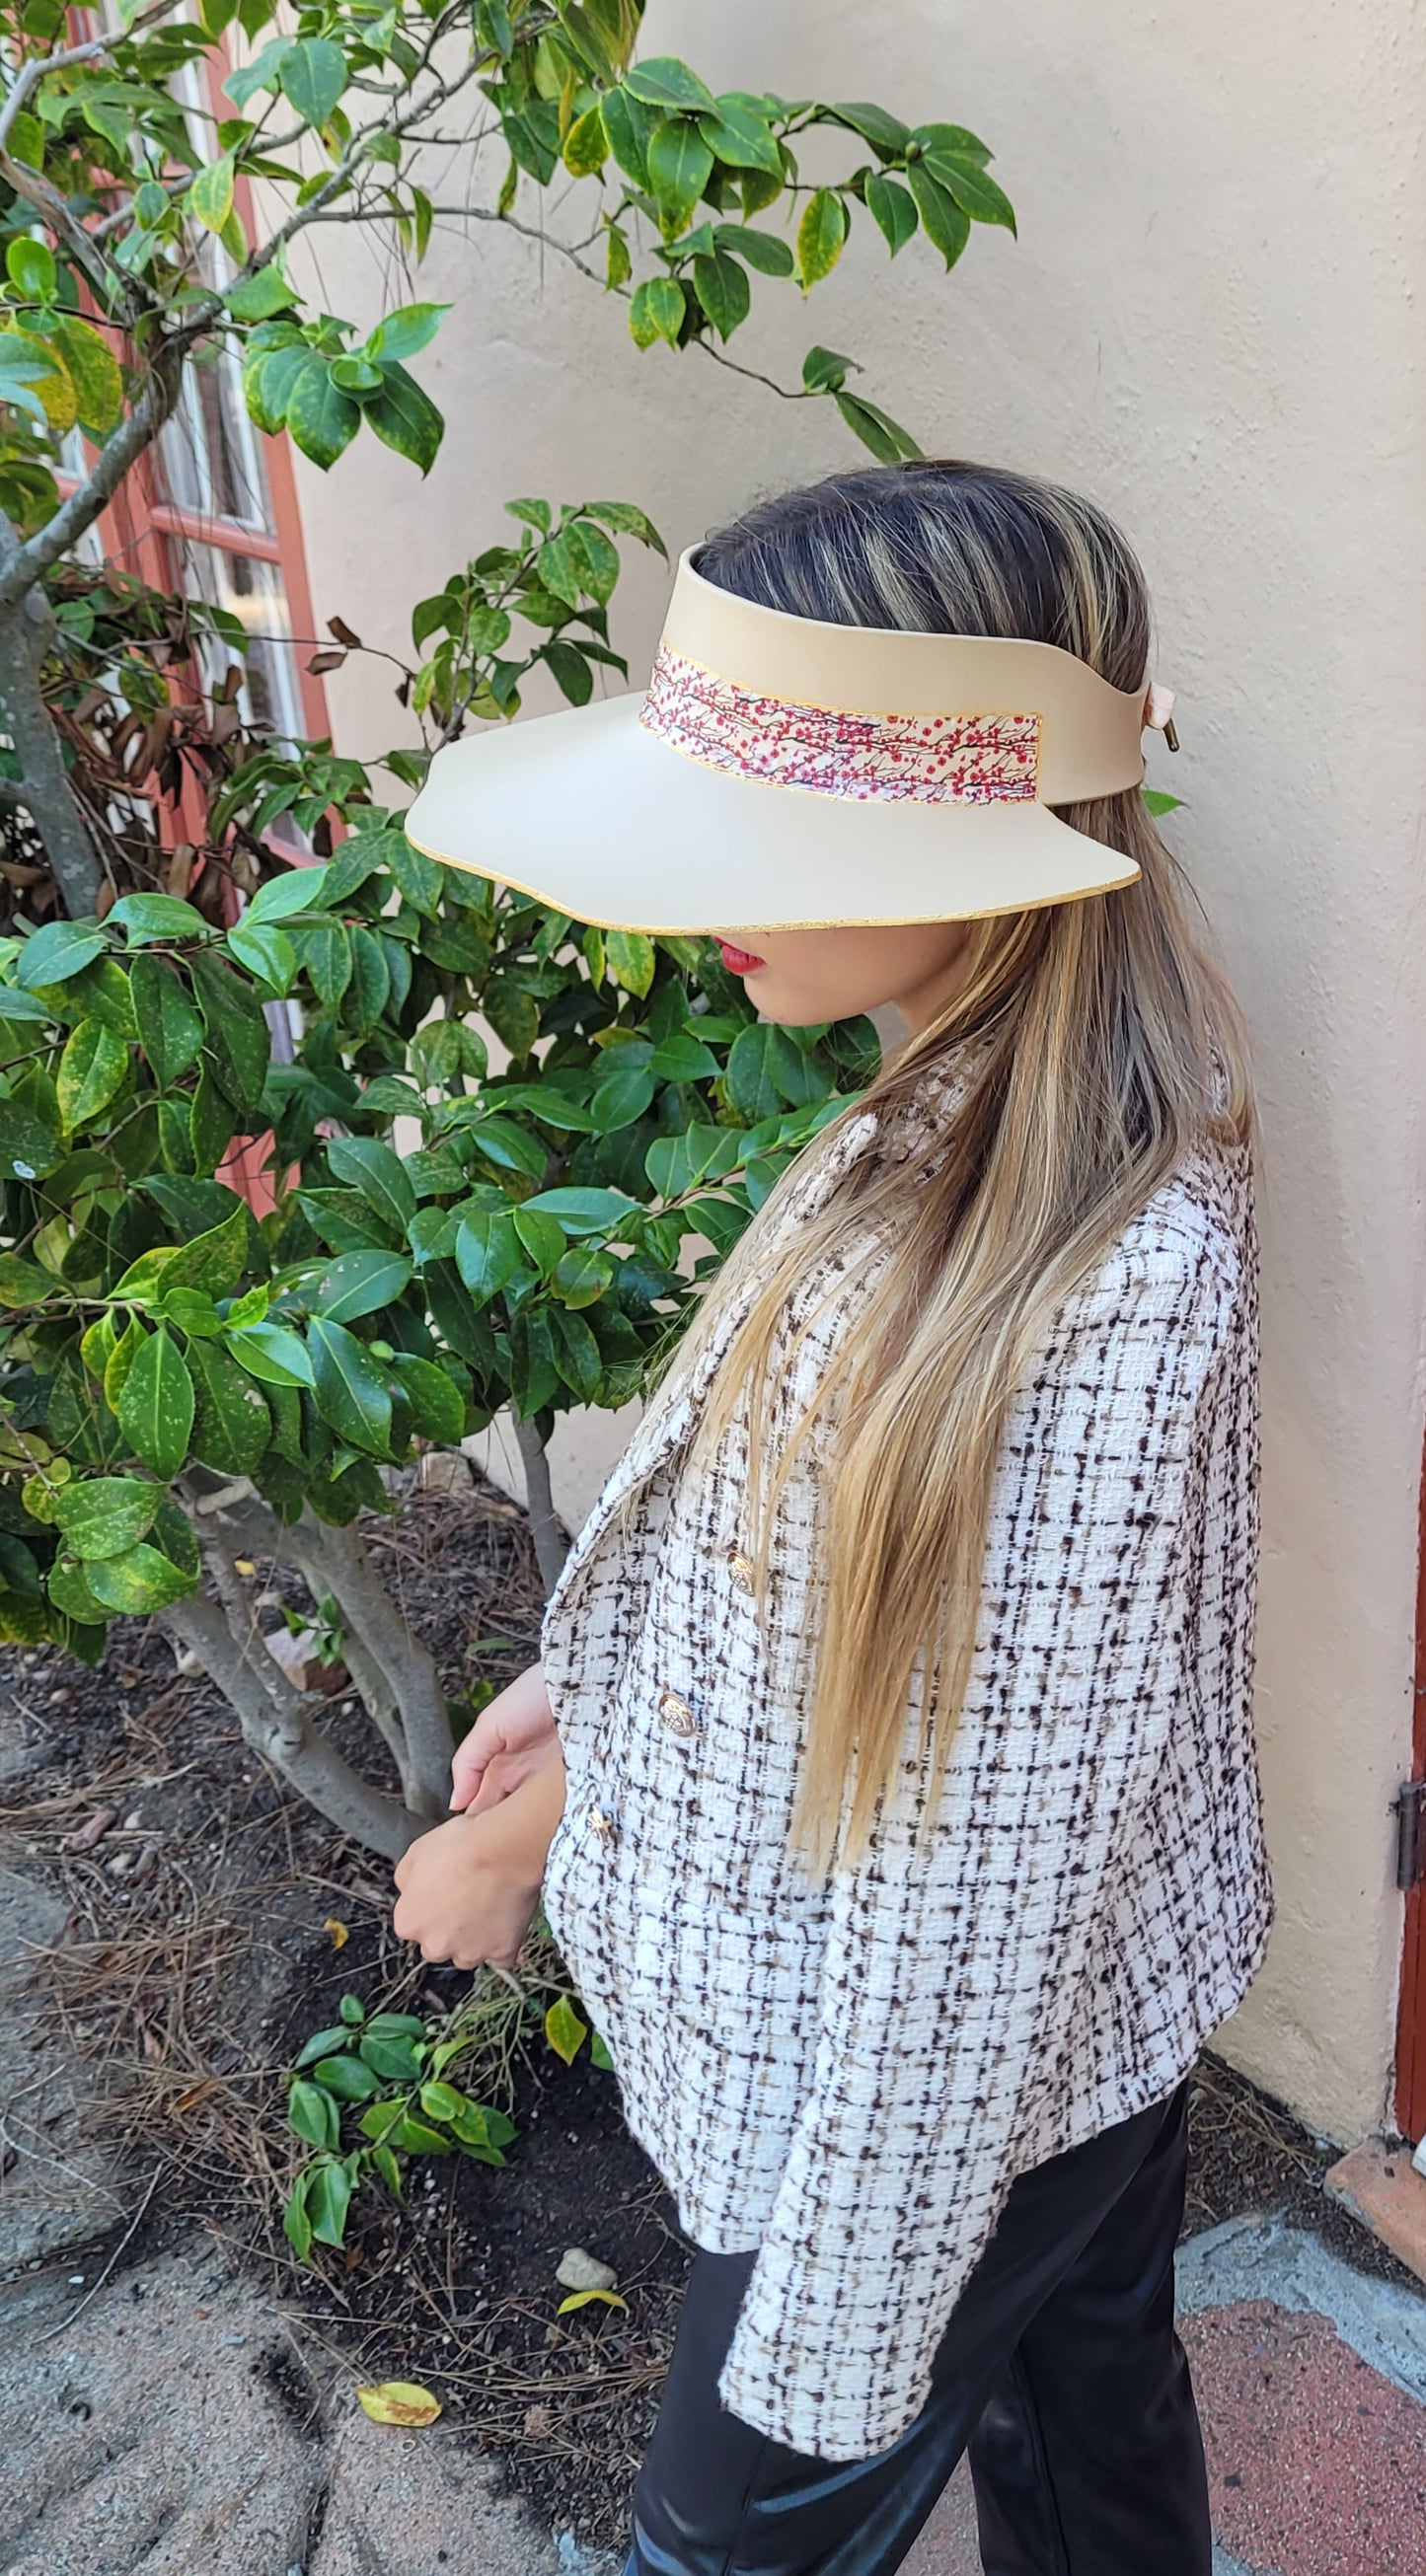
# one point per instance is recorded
(739, 961)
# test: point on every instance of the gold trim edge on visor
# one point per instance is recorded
(840, 921)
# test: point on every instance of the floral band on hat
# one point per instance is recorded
(835, 751)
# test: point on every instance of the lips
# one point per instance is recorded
(739, 961)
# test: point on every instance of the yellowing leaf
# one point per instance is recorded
(210, 198)
(244, 1565)
(53, 383)
(564, 2030)
(581, 2299)
(399, 2401)
(337, 1932)
(94, 372)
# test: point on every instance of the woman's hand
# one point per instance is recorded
(469, 1889)
(510, 1741)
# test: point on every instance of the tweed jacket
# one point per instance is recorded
(847, 2075)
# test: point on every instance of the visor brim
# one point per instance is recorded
(594, 816)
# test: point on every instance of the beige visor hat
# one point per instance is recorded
(782, 774)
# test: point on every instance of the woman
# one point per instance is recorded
(889, 1770)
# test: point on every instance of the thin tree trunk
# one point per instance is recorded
(43, 786)
(546, 1528)
(277, 1725)
(337, 1560)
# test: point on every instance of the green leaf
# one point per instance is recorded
(656, 311)
(722, 289)
(585, 1211)
(628, 520)
(891, 207)
(298, 889)
(259, 297)
(885, 437)
(69, 1590)
(272, 1353)
(742, 138)
(350, 1392)
(885, 133)
(370, 987)
(30, 267)
(296, 2225)
(27, 1150)
(418, 877)
(120, 1362)
(156, 1407)
(52, 955)
(946, 226)
(314, 2115)
(105, 1515)
(326, 951)
(214, 1261)
(975, 192)
(487, 1252)
(679, 166)
(238, 1040)
(231, 1426)
(321, 2044)
(1157, 802)
(577, 1354)
(515, 1017)
(156, 916)
(542, 1236)
(210, 195)
(581, 1275)
(953, 143)
(361, 1283)
(347, 2077)
(599, 2054)
(435, 1402)
(564, 2030)
(170, 1030)
(313, 75)
(212, 1122)
(405, 418)
(762, 251)
(138, 1581)
(628, 124)
(321, 418)
(365, 1164)
(820, 236)
(666, 82)
(623, 1094)
(407, 331)
(266, 951)
(93, 1065)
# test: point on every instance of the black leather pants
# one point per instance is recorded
(1060, 2372)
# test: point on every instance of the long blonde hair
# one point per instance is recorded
(1096, 1043)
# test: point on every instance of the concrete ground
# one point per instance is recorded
(1311, 2382)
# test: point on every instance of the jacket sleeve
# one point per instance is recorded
(953, 1973)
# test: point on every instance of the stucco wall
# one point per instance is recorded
(1208, 324)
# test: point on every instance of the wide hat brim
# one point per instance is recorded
(596, 817)
(782, 773)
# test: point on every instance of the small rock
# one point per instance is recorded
(298, 1658)
(93, 1829)
(577, 2270)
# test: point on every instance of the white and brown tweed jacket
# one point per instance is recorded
(848, 2075)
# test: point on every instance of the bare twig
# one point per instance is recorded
(129, 2233)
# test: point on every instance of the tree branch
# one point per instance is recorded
(44, 789)
(337, 1559)
(546, 1528)
(288, 1739)
(30, 562)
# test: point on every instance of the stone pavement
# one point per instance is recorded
(169, 2428)
(1311, 2381)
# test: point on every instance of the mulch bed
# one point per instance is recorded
(202, 1950)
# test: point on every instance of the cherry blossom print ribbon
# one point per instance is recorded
(835, 751)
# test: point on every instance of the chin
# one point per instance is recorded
(790, 1010)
